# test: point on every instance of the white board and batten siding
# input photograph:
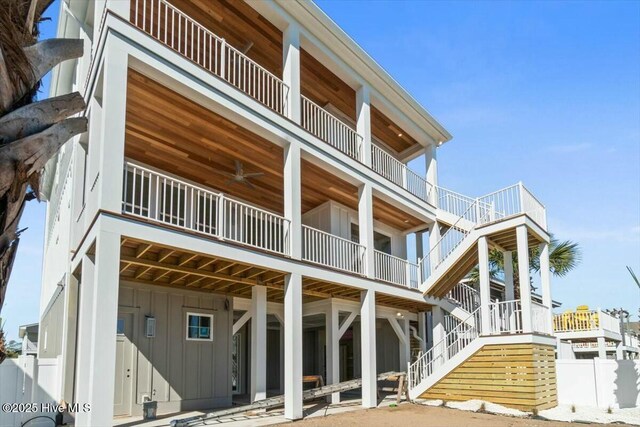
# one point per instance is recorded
(179, 374)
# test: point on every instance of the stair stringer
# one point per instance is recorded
(456, 311)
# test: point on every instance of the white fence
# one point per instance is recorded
(395, 270)
(398, 173)
(29, 380)
(602, 383)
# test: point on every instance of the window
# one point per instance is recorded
(120, 327)
(199, 327)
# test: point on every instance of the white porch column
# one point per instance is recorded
(422, 330)
(434, 250)
(439, 332)
(523, 273)
(111, 139)
(485, 286)
(293, 198)
(258, 343)
(363, 122)
(292, 346)
(620, 352)
(405, 353)
(365, 220)
(85, 319)
(99, 379)
(332, 338)
(431, 168)
(419, 245)
(545, 284)
(602, 348)
(368, 352)
(291, 70)
(509, 293)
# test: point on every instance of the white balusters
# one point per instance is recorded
(465, 296)
(505, 317)
(395, 270)
(330, 129)
(333, 251)
(398, 173)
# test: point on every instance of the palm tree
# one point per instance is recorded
(563, 257)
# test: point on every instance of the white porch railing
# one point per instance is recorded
(327, 127)
(392, 269)
(505, 317)
(333, 251)
(585, 320)
(398, 173)
(465, 296)
(155, 196)
(540, 318)
(453, 342)
(180, 32)
(455, 203)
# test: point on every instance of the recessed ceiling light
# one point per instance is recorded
(400, 134)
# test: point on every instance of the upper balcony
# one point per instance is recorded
(235, 43)
(584, 323)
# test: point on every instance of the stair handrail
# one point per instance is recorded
(468, 298)
(452, 343)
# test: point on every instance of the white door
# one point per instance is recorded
(123, 396)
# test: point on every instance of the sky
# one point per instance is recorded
(547, 93)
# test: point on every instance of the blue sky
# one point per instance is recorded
(543, 92)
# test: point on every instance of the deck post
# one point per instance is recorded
(291, 70)
(363, 122)
(422, 330)
(368, 352)
(292, 344)
(96, 385)
(523, 273)
(365, 220)
(258, 343)
(509, 291)
(431, 164)
(602, 348)
(439, 332)
(332, 336)
(485, 286)
(293, 198)
(545, 284)
(434, 250)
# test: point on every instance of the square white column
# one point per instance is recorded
(434, 249)
(545, 284)
(422, 330)
(363, 122)
(293, 346)
(431, 168)
(258, 343)
(602, 348)
(509, 292)
(368, 348)
(291, 70)
(365, 220)
(405, 347)
(439, 333)
(99, 379)
(111, 138)
(485, 286)
(293, 198)
(332, 337)
(523, 274)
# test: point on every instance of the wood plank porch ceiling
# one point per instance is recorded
(167, 131)
(151, 263)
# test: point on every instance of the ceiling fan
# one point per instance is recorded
(240, 177)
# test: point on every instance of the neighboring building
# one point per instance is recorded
(237, 216)
(29, 336)
(594, 333)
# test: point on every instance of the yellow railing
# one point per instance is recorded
(578, 320)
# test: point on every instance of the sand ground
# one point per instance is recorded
(425, 416)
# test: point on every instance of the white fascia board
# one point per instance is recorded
(168, 67)
(313, 21)
(161, 235)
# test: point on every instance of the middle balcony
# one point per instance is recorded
(192, 169)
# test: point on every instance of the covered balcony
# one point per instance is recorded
(234, 42)
(192, 169)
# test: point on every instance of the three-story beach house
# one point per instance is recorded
(238, 216)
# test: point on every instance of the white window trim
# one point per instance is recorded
(186, 330)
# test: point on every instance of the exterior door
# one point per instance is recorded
(123, 398)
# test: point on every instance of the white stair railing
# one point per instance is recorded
(505, 317)
(465, 296)
(453, 342)
(177, 30)
(162, 198)
(333, 251)
(540, 318)
(327, 127)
